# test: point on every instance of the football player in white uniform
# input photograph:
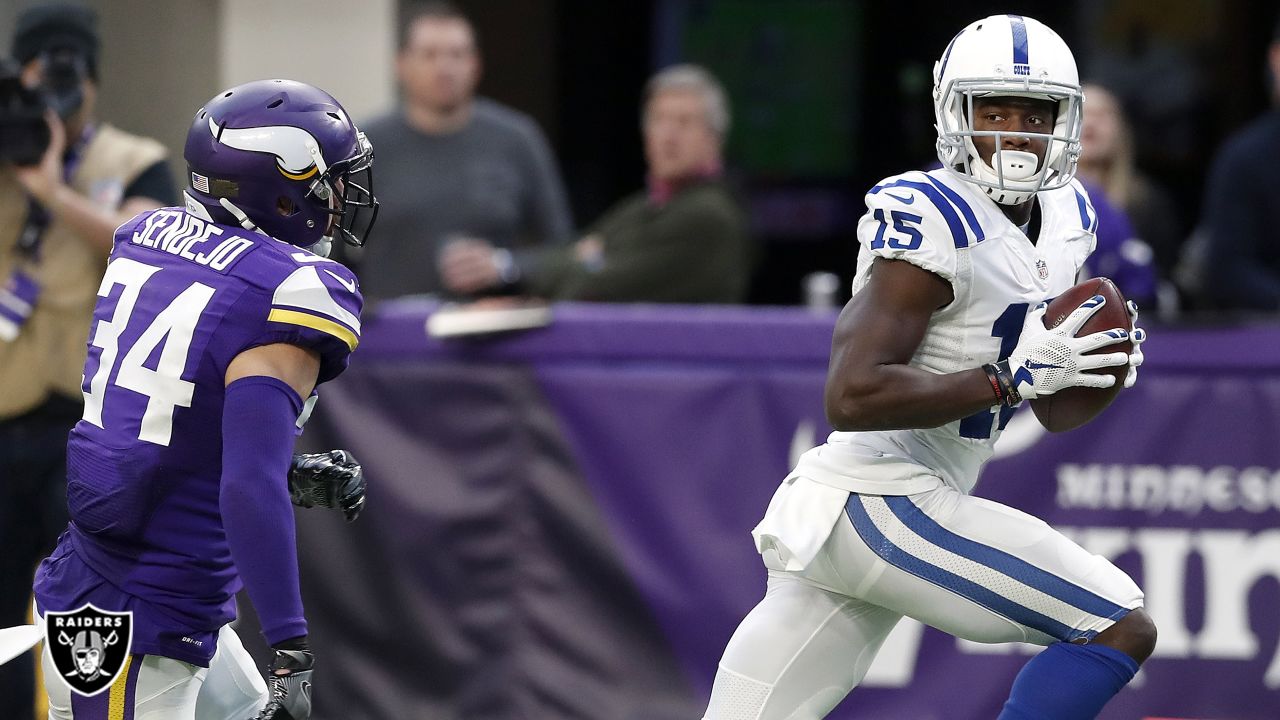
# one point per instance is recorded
(941, 341)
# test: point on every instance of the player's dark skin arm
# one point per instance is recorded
(869, 384)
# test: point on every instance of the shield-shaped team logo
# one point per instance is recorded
(89, 646)
(1043, 268)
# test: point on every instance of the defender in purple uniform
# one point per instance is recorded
(213, 323)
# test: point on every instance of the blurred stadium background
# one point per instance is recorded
(829, 96)
(558, 522)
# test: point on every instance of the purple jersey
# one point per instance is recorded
(1120, 254)
(180, 299)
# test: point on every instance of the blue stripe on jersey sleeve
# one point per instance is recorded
(1088, 219)
(958, 235)
(996, 559)
(958, 200)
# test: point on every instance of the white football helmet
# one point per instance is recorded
(1002, 56)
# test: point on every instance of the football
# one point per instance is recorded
(1070, 408)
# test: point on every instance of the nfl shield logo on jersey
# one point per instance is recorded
(89, 646)
(1043, 268)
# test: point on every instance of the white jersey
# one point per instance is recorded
(945, 225)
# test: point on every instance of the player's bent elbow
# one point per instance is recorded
(848, 413)
(858, 397)
(846, 423)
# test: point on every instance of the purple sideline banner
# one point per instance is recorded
(559, 520)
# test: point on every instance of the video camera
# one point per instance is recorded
(24, 133)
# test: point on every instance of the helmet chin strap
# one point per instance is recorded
(320, 247)
(239, 215)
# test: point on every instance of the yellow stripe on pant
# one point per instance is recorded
(117, 705)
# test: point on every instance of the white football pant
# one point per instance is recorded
(973, 568)
(231, 688)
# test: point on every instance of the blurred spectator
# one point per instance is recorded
(1107, 162)
(452, 165)
(1238, 267)
(683, 240)
(57, 218)
(1120, 254)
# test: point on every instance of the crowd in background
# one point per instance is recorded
(478, 208)
(475, 204)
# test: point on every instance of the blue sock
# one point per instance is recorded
(1068, 682)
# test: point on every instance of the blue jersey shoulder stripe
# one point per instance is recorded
(958, 235)
(963, 205)
(1088, 218)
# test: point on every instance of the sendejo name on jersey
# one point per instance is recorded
(177, 233)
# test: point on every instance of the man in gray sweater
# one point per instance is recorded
(451, 166)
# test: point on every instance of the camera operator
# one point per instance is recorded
(66, 182)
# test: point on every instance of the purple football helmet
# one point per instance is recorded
(281, 157)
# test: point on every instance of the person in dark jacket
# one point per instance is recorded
(1241, 269)
(682, 240)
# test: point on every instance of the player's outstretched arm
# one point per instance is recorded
(870, 386)
(264, 390)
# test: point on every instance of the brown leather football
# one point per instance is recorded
(1070, 408)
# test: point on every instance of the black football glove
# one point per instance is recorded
(331, 479)
(290, 682)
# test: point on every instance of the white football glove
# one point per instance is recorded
(1138, 337)
(1048, 360)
